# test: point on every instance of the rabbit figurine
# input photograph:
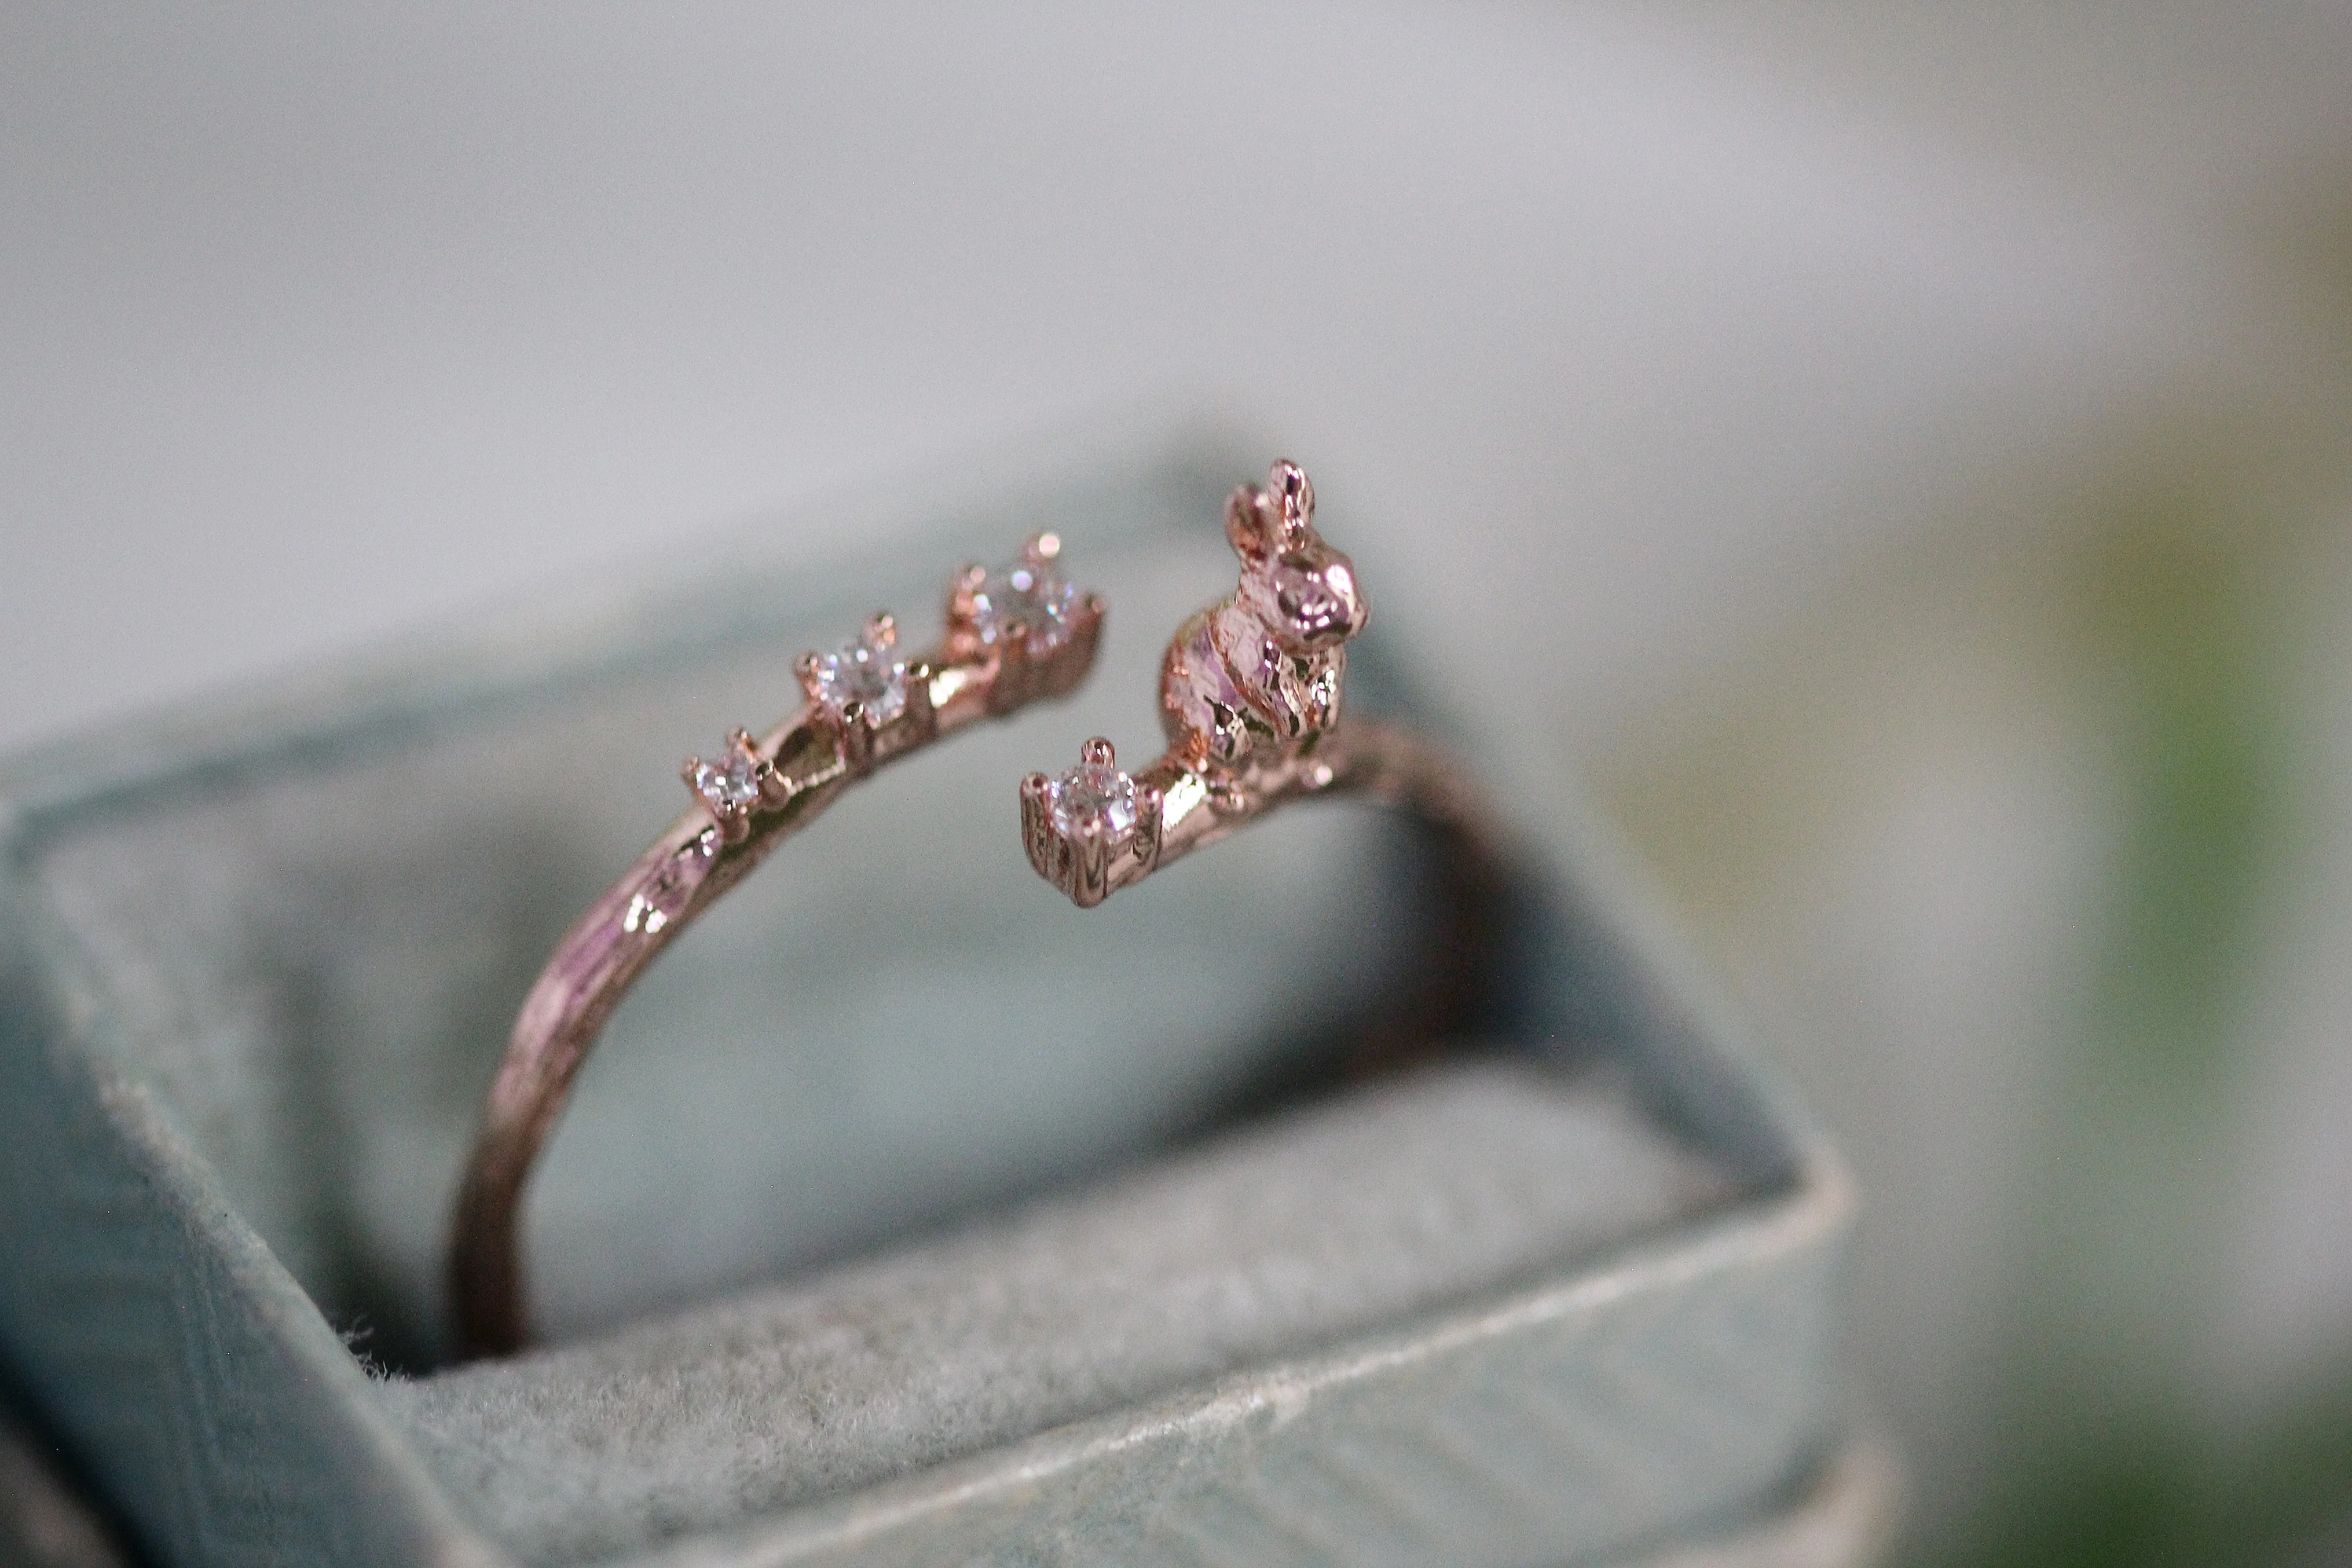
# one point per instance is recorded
(1254, 680)
(1249, 696)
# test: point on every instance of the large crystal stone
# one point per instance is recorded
(866, 670)
(1025, 595)
(1092, 793)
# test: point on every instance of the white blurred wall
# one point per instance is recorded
(320, 320)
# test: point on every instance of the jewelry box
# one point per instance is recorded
(906, 1214)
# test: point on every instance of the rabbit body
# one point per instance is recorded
(1255, 678)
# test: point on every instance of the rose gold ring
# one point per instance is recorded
(1013, 636)
(1249, 698)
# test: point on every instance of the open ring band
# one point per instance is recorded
(1250, 698)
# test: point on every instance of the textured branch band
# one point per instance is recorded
(1250, 698)
(1014, 634)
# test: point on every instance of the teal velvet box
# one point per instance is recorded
(906, 1214)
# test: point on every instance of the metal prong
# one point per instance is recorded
(962, 587)
(1016, 676)
(1042, 548)
(1036, 831)
(1089, 864)
(857, 737)
(1149, 803)
(806, 667)
(1099, 753)
(882, 627)
(1061, 673)
(920, 721)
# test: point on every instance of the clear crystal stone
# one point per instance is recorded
(1089, 793)
(734, 783)
(864, 670)
(1025, 595)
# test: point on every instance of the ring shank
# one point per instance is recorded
(1469, 862)
(566, 1009)
(1472, 872)
(691, 865)
(801, 767)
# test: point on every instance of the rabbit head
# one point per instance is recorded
(1300, 589)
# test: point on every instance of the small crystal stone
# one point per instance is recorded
(864, 670)
(1092, 792)
(734, 783)
(1025, 595)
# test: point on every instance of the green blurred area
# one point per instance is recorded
(2107, 1458)
(2151, 639)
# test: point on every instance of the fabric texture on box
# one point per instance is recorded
(1335, 1218)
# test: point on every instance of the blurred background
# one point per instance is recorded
(1898, 460)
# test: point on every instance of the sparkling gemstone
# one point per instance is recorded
(1025, 595)
(1092, 792)
(864, 670)
(733, 783)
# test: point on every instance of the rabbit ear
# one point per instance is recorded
(1287, 487)
(1245, 522)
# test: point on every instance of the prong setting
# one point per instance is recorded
(1029, 598)
(731, 787)
(1036, 631)
(862, 683)
(1091, 829)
